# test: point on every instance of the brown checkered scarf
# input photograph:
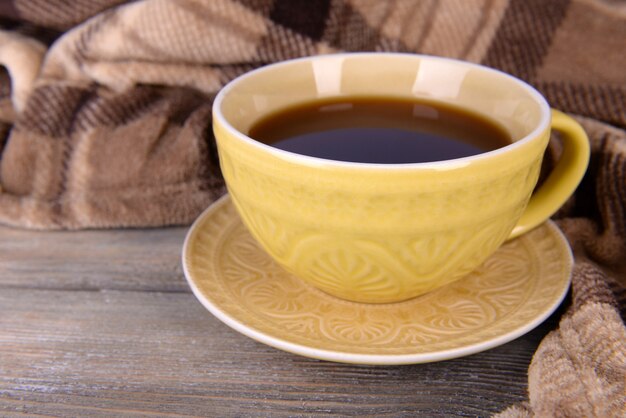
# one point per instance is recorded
(110, 126)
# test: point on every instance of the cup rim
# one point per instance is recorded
(543, 125)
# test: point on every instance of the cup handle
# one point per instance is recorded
(563, 179)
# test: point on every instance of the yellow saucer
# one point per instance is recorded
(510, 294)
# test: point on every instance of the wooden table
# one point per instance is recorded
(103, 323)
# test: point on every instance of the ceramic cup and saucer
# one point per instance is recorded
(385, 263)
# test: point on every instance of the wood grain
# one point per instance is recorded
(133, 259)
(100, 323)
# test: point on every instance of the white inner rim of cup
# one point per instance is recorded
(543, 124)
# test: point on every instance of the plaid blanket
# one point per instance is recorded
(105, 110)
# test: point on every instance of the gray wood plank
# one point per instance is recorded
(130, 353)
(101, 323)
(131, 259)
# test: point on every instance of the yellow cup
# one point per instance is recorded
(383, 233)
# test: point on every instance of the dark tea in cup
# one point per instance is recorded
(383, 130)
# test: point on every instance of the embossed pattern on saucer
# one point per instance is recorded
(510, 294)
